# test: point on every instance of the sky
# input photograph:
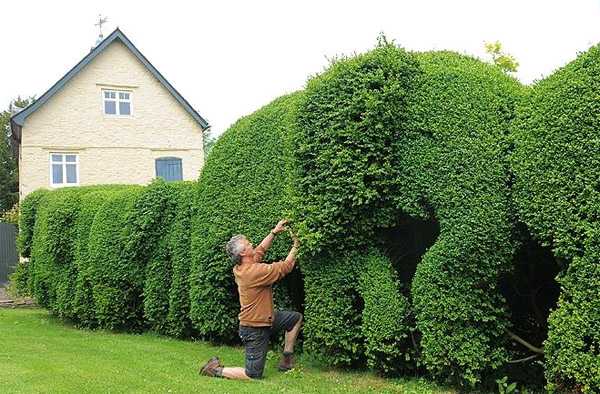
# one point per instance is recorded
(229, 58)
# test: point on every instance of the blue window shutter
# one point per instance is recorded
(169, 168)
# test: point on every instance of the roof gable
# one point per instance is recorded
(20, 117)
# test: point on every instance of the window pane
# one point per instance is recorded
(113, 95)
(57, 174)
(124, 96)
(57, 157)
(71, 173)
(110, 108)
(106, 94)
(169, 169)
(70, 158)
(124, 108)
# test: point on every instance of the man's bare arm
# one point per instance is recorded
(294, 250)
(268, 241)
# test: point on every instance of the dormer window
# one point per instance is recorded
(117, 102)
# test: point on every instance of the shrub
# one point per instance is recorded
(117, 280)
(149, 247)
(27, 221)
(51, 246)
(557, 168)
(11, 215)
(83, 301)
(19, 280)
(243, 188)
(178, 317)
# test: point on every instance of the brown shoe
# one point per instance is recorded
(287, 362)
(212, 368)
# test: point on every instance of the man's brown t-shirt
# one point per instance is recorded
(255, 283)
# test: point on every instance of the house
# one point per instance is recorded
(113, 118)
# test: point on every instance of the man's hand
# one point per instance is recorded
(280, 227)
(295, 239)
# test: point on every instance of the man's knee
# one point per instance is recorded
(254, 373)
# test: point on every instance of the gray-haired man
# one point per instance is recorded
(257, 318)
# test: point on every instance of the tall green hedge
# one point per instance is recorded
(50, 246)
(83, 301)
(178, 316)
(557, 191)
(244, 188)
(28, 211)
(101, 256)
(166, 289)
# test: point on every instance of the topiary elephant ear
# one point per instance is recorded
(389, 134)
(557, 192)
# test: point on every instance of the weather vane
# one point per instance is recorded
(100, 22)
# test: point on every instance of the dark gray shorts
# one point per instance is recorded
(256, 341)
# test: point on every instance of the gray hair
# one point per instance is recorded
(234, 248)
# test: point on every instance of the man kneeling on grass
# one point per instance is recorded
(257, 318)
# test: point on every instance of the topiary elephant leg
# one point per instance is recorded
(459, 310)
(332, 322)
(384, 317)
(572, 349)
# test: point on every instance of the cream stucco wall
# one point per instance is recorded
(111, 149)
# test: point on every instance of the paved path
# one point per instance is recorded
(7, 302)
(3, 295)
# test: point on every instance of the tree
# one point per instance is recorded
(505, 61)
(209, 141)
(9, 172)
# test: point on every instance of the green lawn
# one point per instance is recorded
(40, 354)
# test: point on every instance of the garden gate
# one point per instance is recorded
(8, 250)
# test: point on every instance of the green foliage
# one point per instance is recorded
(388, 133)
(243, 188)
(349, 123)
(102, 255)
(178, 317)
(9, 172)
(27, 218)
(19, 280)
(385, 324)
(50, 245)
(83, 301)
(11, 216)
(332, 325)
(557, 171)
(121, 241)
(454, 169)
(9, 188)
(506, 62)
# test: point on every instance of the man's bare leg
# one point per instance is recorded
(290, 337)
(237, 373)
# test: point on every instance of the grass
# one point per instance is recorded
(40, 354)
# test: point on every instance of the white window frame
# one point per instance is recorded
(117, 100)
(63, 162)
